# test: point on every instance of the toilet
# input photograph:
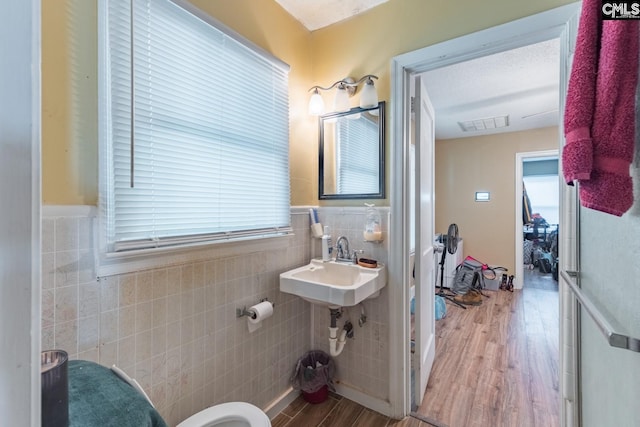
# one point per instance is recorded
(231, 414)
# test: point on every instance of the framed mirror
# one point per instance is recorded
(352, 154)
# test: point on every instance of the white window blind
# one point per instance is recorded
(358, 155)
(195, 145)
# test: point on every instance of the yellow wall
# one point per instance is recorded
(366, 44)
(69, 102)
(484, 163)
(359, 46)
(70, 89)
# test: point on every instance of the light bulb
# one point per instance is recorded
(316, 104)
(341, 103)
(369, 95)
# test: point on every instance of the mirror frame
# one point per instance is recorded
(381, 147)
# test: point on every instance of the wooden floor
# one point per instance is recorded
(497, 364)
(337, 411)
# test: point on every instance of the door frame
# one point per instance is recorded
(518, 282)
(533, 29)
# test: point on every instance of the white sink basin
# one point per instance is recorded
(334, 284)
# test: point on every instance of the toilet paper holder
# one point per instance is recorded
(241, 312)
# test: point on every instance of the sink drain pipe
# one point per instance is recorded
(336, 345)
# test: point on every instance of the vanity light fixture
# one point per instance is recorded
(345, 89)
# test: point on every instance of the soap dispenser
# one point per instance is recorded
(326, 245)
(372, 224)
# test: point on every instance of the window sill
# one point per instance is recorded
(114, 263)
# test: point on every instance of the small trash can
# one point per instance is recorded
(55, 388)
(313, 376)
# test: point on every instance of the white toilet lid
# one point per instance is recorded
(228, 412)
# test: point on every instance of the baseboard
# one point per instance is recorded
(375, 404)
(279, 403)
(368, 401)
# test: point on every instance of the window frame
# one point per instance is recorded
(108, 260)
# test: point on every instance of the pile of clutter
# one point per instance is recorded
(473, 276)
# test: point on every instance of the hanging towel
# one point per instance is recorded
(599, 122)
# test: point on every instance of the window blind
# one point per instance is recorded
(198, 122)
(358, 155)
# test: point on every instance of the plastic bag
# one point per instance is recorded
(372, 224)
(313, 370)
(441, 308)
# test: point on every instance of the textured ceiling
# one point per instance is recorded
(522, 83)
(315, 14)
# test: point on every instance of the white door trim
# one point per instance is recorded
(518, 281)
(568, 254)
(399, 276)
(522, 32)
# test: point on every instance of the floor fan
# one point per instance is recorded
(449, 245)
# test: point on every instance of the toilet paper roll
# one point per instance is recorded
(261, 311)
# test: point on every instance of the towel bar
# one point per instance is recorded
(615, 339)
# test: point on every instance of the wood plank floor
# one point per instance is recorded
(497, 364)
(337, 411)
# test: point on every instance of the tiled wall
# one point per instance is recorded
(364, 363)
(174, 329)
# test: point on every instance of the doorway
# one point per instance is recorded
(476, 346)
(537, 219)
(540, 27)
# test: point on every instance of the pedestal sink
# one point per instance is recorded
(334, 284)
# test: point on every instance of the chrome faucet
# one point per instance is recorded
(342, 249)
(343, 254)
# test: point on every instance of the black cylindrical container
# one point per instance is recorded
(55, 388)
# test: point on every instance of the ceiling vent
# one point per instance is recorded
(484, 124)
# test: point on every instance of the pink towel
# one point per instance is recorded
(600, 111)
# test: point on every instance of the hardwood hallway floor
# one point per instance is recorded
(337, 411)
(497, 364)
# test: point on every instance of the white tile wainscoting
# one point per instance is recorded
(364, 363)
(175, 330)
